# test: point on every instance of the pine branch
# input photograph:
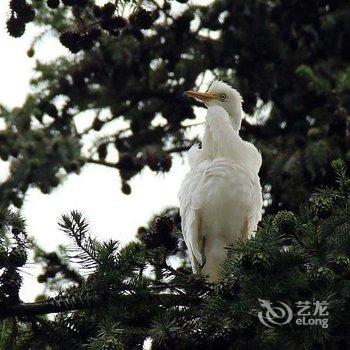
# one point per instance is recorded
(102, 162)
(48, 307)
(83, 250)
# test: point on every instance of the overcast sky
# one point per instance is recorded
(96, 191)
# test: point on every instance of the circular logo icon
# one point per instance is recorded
(274, 315)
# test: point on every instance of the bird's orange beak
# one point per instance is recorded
(202, 96)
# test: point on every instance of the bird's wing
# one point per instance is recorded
(255, 212)
(253, 158)
(193, 155)
(230, 199)
(190, 219)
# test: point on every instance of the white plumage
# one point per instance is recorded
(220, 198)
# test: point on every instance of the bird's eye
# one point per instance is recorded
(222, 97)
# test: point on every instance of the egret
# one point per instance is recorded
(220, 197)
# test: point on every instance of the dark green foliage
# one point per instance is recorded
(288, 60)
(161, 235)
(132, 293)
(17, 257)
(83, 251)
(13, 255)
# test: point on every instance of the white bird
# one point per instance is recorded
(220, 198)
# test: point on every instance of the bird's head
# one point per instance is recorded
(223, 95)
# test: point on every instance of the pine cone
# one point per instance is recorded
(161, 235)
(30, 52)
(17, 257)
(80, 3)
(88, 39)
(108, 9)
(16, 231)
(41, 278)
(142, 19)
(10, 283)
(126, 189)
(285, 221)
(52, 258)
(73, 166)
(164, 226)
(27, 13)
(68, 2)
(71, 40)
(120, 22)
(17, 5)
(113, 23)
(15, 26)
(53, 4)
(3, 257)
(97, 11)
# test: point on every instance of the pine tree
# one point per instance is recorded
(288, 59)
(118, 297)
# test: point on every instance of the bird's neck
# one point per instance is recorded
(220, 137)
(221, 141)
(235, 115)
(207, 149)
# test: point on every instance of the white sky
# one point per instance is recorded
(96, 191)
